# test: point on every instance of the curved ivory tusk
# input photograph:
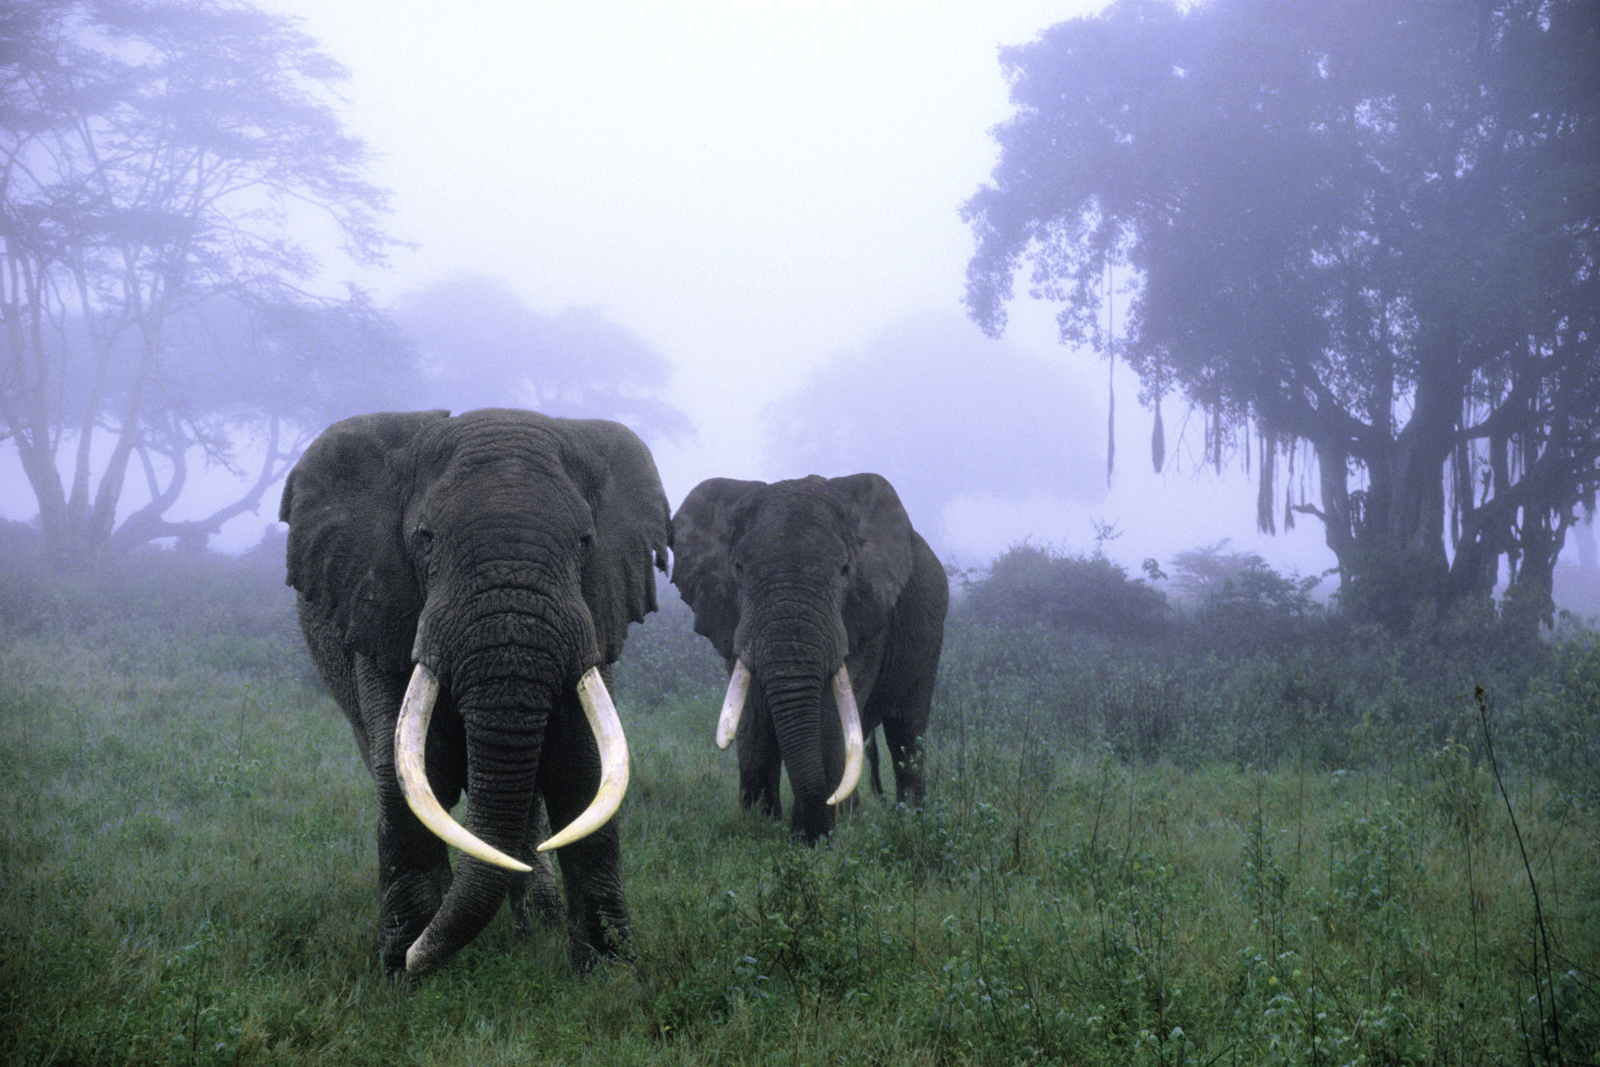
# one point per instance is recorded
(733, 704)
(410, 743)
(845, 697)
(602, 715)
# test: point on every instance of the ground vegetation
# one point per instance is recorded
(1154, 847)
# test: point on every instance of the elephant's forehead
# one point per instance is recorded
(483, 452)
(485, 471)
(794, 527)
(505, 460)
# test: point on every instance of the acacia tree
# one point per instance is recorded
(1360, 229)
(153, 158)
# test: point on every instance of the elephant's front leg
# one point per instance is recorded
(535, 896)
(413, 864)
(905, 754)
(591, 867)
(760, 763)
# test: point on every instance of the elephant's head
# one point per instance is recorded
(794, 582)
(497, 559)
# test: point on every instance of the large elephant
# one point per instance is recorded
(829, 610)
(481, 571)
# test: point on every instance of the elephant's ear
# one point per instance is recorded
(632, 530)
(346, 552)
(882, 548)
(702, 565)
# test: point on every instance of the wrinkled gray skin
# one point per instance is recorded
(796, 578)
(508, 552)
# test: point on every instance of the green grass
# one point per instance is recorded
(186, 841)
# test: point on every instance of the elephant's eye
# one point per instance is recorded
(844, 570)
(423, 538)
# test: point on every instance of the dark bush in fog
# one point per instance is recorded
(1032, 585)
(1245, 667)
(1236, 601)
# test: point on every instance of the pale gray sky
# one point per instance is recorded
(748, 187)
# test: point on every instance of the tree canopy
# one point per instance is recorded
(940, 411)
(481, 346)
(155, 158)
(1362, 236)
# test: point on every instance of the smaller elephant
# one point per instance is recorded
(829, 610)
(464, 586)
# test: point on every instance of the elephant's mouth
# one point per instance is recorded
(849, 718)
(411, 732)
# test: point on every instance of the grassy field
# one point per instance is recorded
(1172, 856)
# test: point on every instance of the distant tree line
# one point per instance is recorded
(942, 412)
(158, 161)
(479, 345)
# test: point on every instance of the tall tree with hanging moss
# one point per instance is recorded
(1363, 234)
(157, 159)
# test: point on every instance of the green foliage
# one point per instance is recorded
(187, 844)
(1557, 730)
(1236, 602)
(666, 661)
(158, 611)
(1031, 585)
(189, 1020)
(1250, 670)
(1372, 885)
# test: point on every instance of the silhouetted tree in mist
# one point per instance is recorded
(1362, 237)
(941, 411)
(481, 346)
(153, 159)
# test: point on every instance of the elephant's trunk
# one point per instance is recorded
(505, 707)
(794, 654)
(822, 772)
(503, 748)
(849, 720)
(794, 699)
(410, 746)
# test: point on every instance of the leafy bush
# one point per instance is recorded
(1556, 730)
(1235, 601)
(1030, 585)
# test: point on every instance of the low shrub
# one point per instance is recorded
(1031, 585)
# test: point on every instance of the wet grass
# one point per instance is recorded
(189, 878)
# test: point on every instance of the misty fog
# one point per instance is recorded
(737, 230)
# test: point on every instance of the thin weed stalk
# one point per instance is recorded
(1543, 971)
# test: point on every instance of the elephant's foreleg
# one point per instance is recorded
(591, 867)
(535, 896)
(413, 864)
(760, 764)
(409, 894)
(870, 755)
(904, 741)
